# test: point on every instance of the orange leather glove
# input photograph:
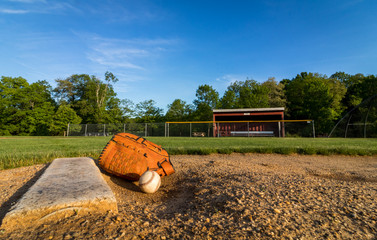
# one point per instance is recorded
(129, 156)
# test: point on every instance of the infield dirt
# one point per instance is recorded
(237, 196)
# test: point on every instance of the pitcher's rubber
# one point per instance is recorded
(69, 186)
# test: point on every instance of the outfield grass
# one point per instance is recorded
(25, 151)
(323, 146)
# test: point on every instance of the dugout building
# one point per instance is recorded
(249, 122)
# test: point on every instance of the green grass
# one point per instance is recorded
(25, 151)
(309, 146)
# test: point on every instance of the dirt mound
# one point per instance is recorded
(228, 196)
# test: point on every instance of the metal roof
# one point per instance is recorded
(249, 110)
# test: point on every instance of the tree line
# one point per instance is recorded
(39, 109)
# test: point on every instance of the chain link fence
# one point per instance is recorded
(360, 122)
(139, 129)
(298, 128)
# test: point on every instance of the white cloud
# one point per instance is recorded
(114, 51)
(33, 70)
(124, 11)
(38, 6)
(28, 1)
(13, 11)
(115, 56)
(63, 6)
(230, 78)
(119, 54)
(114, 64)
(136, 41)
(223, 82)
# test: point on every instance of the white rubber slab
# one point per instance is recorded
(69, 186)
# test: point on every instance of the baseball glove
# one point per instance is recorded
(129, 156)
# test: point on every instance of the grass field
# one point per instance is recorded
(25, 151)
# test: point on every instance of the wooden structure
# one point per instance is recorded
(249, 122)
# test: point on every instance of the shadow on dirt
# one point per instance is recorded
(127, 184)
(349, 177)
(179, 196)
(6, 206)
(124, 183)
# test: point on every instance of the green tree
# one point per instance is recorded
(12, 104)
(229, 100)
(179, 110)
(148, 112)
(254, 96)
(25, 109)
(359, 88)
(314, 96)
(368, 86)
(342, 77)
(42, 107)
(93, 100)
(128, 110)
(207, 99)
(245, 94)
(276, 96)
(337, 92)
(64, 115)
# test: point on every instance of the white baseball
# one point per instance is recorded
(149, 182)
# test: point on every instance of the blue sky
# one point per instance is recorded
(163, 50)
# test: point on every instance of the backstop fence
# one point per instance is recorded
(278, 128)
(360, 122)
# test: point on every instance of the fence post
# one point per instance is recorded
(366, 120)
(146, 129)
(279, 123)
(348, 123)
(68, 130)
(218, 130)
(248, 129)
(313, 130)
(190, 129)
(86, 129)
(124, 127)
(104, 130)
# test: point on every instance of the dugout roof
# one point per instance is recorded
(252, 114)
